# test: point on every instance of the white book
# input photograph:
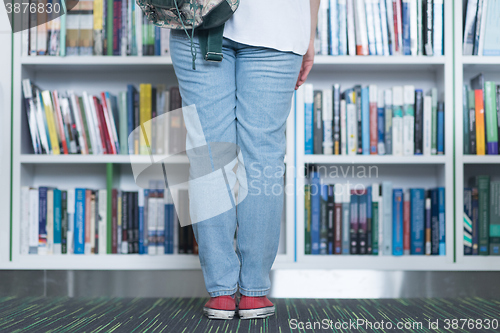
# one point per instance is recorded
(78, 122)
(327, 117)
(387, 218)
(152, 203)
(352, 129)
(342, 22)
(427, 125)
(160, 225)
(351, 30)
(379, 41)
(420, 27)
(64, 103)
(428, 244)
(370, 26)
(96, 131)
(25, 37)
(71, 221)
(33, 221)
(343, 127)
(408, 120)
(438, 27)
(390, 26)
(138, 29)
(88, 102)
(480, 48)
(383, 22)
(397, 121)
(360, 28)
(50, 221)
(334, 26)
(40, 123)
(381, 105)
(25, 218)
(102, 226)
(323, 27)
(413, 28)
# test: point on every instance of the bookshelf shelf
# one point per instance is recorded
(480, 60)
(118, 159)
(486, 159)
(376, 159)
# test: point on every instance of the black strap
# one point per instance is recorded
(211, 43)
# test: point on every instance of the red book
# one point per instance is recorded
(114, 221)
(59, 122)
(109, 123)
(88, 195)
(99, 124)
(406, 222)
(337, 245)
(373, 119)
(398, 24)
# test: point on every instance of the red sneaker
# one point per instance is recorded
(255, 307)
(221, 307)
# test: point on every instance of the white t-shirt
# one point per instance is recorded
(283, 25)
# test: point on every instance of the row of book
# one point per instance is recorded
(65, 123)
(481, 28)
(373, 220)
(368, 120)
(380, 27)
(83, 221)
(93, 27)
(482, 217)
(481, 116)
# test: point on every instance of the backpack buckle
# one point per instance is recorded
(214, 56)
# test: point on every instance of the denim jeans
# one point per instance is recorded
(244, 100)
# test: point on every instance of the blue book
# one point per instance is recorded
(417, 223)
(157, 41)
(442, 221)
(406, 27)
(397, 222)
(143, 194)
(440, 128)
(42, 220)
(492, 30)
(131, 92)
(365, 120)
(315, 211)
(79, 246)
(169, 225)
(362, 222)
(434, 222)
(386, 244)
(334, 28)
(381, 127)
(354, 225)
(323, 229)
(308, 119)
(57, 221)
(342, 12)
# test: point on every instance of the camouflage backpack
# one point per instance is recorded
(207, 17)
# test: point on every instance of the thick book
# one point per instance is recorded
(427, 126)
(397, 121)
(324, 225)
(79, 231)
(346, 219)
(406, 222)
(387, 207)
(438, 27)
(327, 121)
(307, 219)
(406, 21)
(359, 119)
(330, 217)
(336, 120)
(50, 221)
(434, 222)
(470, 27)
(375, 215)
(51, 125)
(381, 123)
(388, 121)
(361, 28)
(386, 37)
(419, 123)
(428, 26)
(480, 123)
(88, 220)
(369, 220)
(397, 221)
(428, 224)
(342, 28)
(322, 28)
(490, 115)
(354, 224)
(102, 226)
(495, 218)
(475, 221)
(308, 118)
(370, 27)
(492, 30)
(417, 221)
(142, 201)
(483, 186)
(442, 220)
(64, 222)
(318, 122)
(42, 220)
(408, 120)
(398, 25)
(351, 122)
(337, 218)
(479, 47)
(351, 28)
(145, 117)
(57, 247)
(440, 128)
(33, 237)
(362, 221)
(332, 26)
(467, 221)
(365, 121)
(315, 211)
(379, 41)
(373, 118)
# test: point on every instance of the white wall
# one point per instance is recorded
(5, 96)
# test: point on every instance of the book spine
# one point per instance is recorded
(351, 28)
(369, 220)
(440, 129)
(25, 220)
(333, 25)
(442, 221)
(381, 123)
(354, 225)
(330, 210)
(498, 110)
(361, 28)
(50, 221)
(57, 222)
(351, 124)
(359, 119)
(42, 220)
(434, 121)
(413, 28)
(419, 122)
(34, 222)
(307, 219)
(308, 119)
(482, 32)
(322, 28)
(397, 121)
(64, 222)
(102, 225)
(114, 221)
(342, 22)
(362, 221)
(406, 27)
(491, 34)
(324, 225)
(338, 201)
(491, 121)
(420, 26)
(346, 219)
(386, 36)
(475, 221)
(327, 121)
(375, 189)
(469, 27)
(143, 197)
(406, 222)
(397, 221)
(152, 219)
(160, 226)
(119, 228)
(373, 119)
(315, 212)
(388, 121)
(434, 222)
(318, 123)
(494, 234)
(409, 120)
(428, 228)
(337, 120)
(467, 221)
(471, 115)
(79, 231)
(88, 226)
(438, 27)
(428, 28)
(379, 43)
(387, 197)
(417, 222)
(365, 120)
(427, 126)
(370, 26)
(483, 186)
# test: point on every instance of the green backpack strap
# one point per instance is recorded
(211, 43)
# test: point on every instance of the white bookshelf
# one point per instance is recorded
(468, 166)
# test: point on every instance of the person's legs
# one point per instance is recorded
(265, 81)
(211, 88)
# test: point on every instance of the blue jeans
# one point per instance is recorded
(244, 100)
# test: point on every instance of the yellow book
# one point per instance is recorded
(480, 132)
(51, 124)
(144, 118)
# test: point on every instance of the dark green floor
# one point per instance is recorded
(175, 315)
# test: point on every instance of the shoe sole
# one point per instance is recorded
(218, 314)
(256, 313)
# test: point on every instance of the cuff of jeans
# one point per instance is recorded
(223, 292)
(254, 293)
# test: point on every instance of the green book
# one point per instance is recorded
(495, 218)
(465, 117)
(375, 228)
(490, 117)
(434, 96)
(483, 185)
(62, 32)
(307, 219)
(122, 109)
(109, 27)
